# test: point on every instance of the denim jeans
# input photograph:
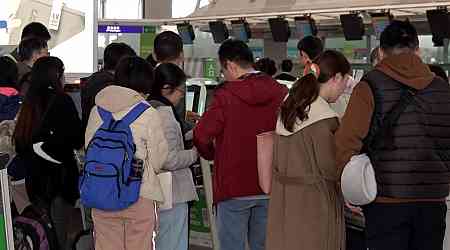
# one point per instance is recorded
(239, 221)
(173, 228)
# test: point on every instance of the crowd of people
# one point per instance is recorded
(311, 144)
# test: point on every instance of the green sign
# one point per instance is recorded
(210, 68)
(199, 216)
(147, 41)
(3, 242)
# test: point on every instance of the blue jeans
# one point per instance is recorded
(239, 221)
(173, 228)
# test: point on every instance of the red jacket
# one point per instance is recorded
(240, 110)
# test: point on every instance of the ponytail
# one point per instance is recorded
(302, 94)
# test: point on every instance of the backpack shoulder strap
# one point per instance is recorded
(137, 111)
(106, 116)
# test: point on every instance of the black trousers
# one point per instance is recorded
(406, 226)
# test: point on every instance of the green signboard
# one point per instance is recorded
(147, 41)
(210, 69)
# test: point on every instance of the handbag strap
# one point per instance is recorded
(406, 98)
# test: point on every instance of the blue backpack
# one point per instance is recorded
(111, 177)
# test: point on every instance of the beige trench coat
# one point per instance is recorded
(306, 206)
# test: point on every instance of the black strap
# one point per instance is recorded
(391, 118)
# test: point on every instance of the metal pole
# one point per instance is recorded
(95, 34)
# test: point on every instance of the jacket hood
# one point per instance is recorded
(115, 98)
(320, 110)
(256, 89)
(408, 69)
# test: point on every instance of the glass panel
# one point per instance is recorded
(120, 9)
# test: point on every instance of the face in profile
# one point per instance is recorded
(337, 86)
(40, 54)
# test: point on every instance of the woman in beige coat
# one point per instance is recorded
(131, 228)
(306, 207)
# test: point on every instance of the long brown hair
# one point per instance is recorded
(306, 90)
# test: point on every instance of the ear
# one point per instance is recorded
(338, 77)
(381, 55)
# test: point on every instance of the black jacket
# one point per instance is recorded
(95, 84)
(61, 132)
(406, 160)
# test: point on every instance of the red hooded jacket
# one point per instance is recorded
(240, 110)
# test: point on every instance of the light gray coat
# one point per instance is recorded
(178, 159)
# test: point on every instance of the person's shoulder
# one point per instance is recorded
(324, 127)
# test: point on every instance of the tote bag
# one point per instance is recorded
(265, 158)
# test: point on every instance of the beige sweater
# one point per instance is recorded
(148, 135)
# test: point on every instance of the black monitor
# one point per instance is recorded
(439, 21)
(280, 29)
(219, 31)
(186, 32)
(353, 27)
(305, 26)
(379, 22)
(241, 30)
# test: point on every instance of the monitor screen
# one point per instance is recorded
(219, 31)
(305, 26)
(190, 100)
(379, 22)
(280, 29)
(439, 24)
(353, 27)
(241, 30)
(187, 33)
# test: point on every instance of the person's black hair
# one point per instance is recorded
(167, 46)
(30, 46)
(399, 35)
(438, 71)
(167, 74)
(267, 66)
(150, 59)
(236, 51)
(35, 30)
(134, 73)
(311, 45)
(24, 83)
(287, 65)
(46, 80)
(114, 52)
(8, 72)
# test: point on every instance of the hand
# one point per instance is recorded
(354, 209)
(192, 116)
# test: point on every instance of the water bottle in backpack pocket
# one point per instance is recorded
(112, 176)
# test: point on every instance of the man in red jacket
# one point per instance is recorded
(245, 106)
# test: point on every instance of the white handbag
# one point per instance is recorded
(165, 180)
(358, 182)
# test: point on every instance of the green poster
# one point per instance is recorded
(200, 227)
(210, 68)
(147, 41)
